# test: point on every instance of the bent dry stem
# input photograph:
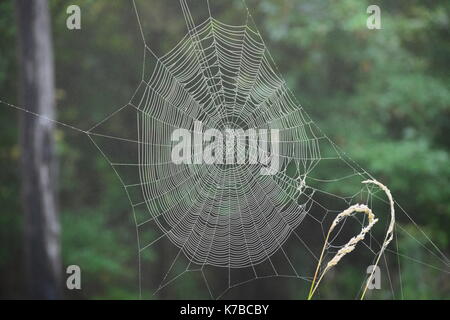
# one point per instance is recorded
(351, 244)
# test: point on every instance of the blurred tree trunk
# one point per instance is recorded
(42, 229)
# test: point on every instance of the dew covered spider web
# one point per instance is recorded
(228, 224)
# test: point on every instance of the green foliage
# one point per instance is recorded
(89, 241)
(419, 280)
(10, 218)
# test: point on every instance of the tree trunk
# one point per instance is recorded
(41, 223)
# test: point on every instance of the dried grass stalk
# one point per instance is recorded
(389, 234)
(348, 247)
(351, 244)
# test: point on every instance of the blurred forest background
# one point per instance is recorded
(392, 85)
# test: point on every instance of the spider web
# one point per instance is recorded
(229, 224)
